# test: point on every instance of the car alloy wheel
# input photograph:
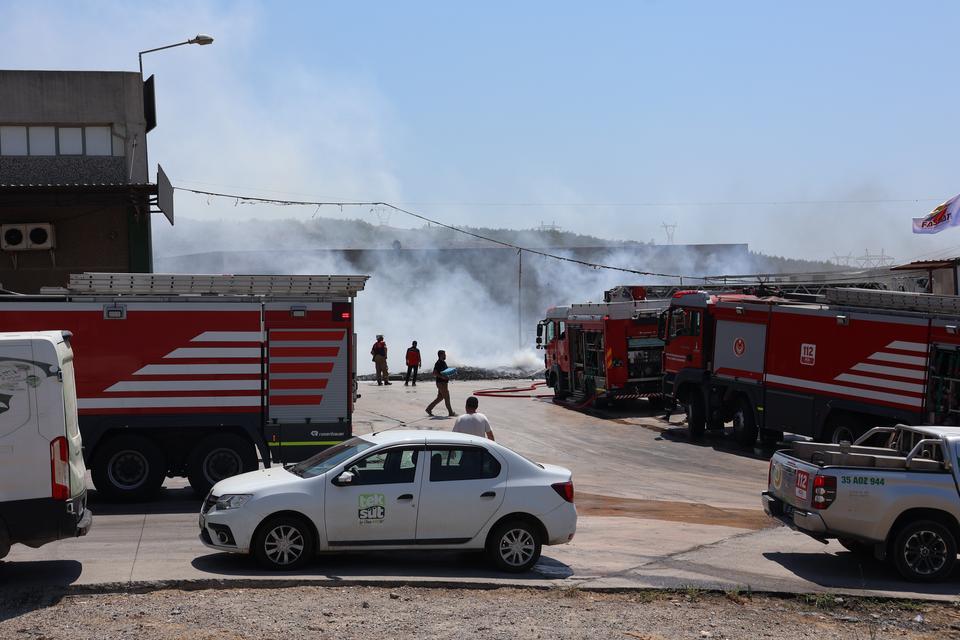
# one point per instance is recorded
(283, 545)
(925, 552)
(517, 547)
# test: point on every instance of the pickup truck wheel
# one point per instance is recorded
(924, 551)
(217, 457)
(283, 543)
(745, 423)
(696, 414)
(128, 467)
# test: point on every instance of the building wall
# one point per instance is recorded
(93, 232)
(71, 99)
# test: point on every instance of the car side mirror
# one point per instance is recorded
(343, 479)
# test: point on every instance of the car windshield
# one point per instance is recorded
(329, 458)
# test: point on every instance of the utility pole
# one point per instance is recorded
(669, 230)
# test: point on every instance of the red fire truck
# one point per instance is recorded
(187, 375)
(826, 366)
(599, 352)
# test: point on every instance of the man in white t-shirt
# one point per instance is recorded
(473, 423)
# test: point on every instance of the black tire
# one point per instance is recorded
(745, 423)
(270, 539)
(219, 456)
(696, 414)
(128, 467)
(514, 546)
(856, 547)
(924, 551)
(844, 431)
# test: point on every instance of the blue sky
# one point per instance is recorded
(453, 107)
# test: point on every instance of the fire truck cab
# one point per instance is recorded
(201, 376)
(829, 367)
(599, 352)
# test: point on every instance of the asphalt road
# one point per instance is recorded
(656, 510)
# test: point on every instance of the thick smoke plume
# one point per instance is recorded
(432, 286)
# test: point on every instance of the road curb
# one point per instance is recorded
(203, 584)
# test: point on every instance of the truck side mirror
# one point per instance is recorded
(539, 341)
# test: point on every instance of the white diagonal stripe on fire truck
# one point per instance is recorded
(229, 336)
(187, 385)
(919, 347)
(910, 387)
(214, 353)
(166, 401)
(915, 374)
(197, 369)
(845, 390)
(899, 359)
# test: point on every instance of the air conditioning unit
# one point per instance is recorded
(40, 235)
(32, 236)
(13, 237)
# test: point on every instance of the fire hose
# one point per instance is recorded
(515, 392)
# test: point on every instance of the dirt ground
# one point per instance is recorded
(371, 612)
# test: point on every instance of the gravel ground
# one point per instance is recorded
(341, 613)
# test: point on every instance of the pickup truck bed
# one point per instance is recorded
(901, 500)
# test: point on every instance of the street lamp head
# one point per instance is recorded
(201, 38)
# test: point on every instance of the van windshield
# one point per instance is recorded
(329, 458)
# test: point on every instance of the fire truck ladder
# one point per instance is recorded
(899, 300)
(243, 285)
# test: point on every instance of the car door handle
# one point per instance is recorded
(406, 496)
(488, 494)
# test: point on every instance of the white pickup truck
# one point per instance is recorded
(899, 501)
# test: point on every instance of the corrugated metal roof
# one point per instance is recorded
(944, 263)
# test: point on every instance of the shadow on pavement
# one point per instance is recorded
(27, 586)
(723, 442)
(422, 565)
(846, 570)
(169, 500)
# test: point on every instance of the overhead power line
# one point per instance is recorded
(308, 203)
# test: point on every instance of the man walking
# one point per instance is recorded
(413, 363)
(379, 353)
(443, 393)
(473, 423)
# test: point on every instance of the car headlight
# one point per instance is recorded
(232, 501)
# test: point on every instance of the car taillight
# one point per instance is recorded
(824, 491)
(60, 468)
(565, 489)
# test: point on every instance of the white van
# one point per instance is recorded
(42, 492)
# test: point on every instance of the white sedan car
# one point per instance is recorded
(395, 490)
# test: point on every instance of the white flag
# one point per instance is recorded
(946, 215)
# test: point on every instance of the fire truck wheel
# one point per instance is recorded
(696, 414)
(217, 457)
(745, 423)
(770, 436)
(128, 467)
(841, 432)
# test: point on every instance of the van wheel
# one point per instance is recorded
(924, 551)
(514, 546)
(696, 414)
(128, 467)
(283, 543)
(217, 457)
(745, 423)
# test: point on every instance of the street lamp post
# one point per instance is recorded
(200, 38)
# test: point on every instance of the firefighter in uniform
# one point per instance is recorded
(413, 363)
(379, 353)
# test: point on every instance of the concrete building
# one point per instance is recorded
(75, 193)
